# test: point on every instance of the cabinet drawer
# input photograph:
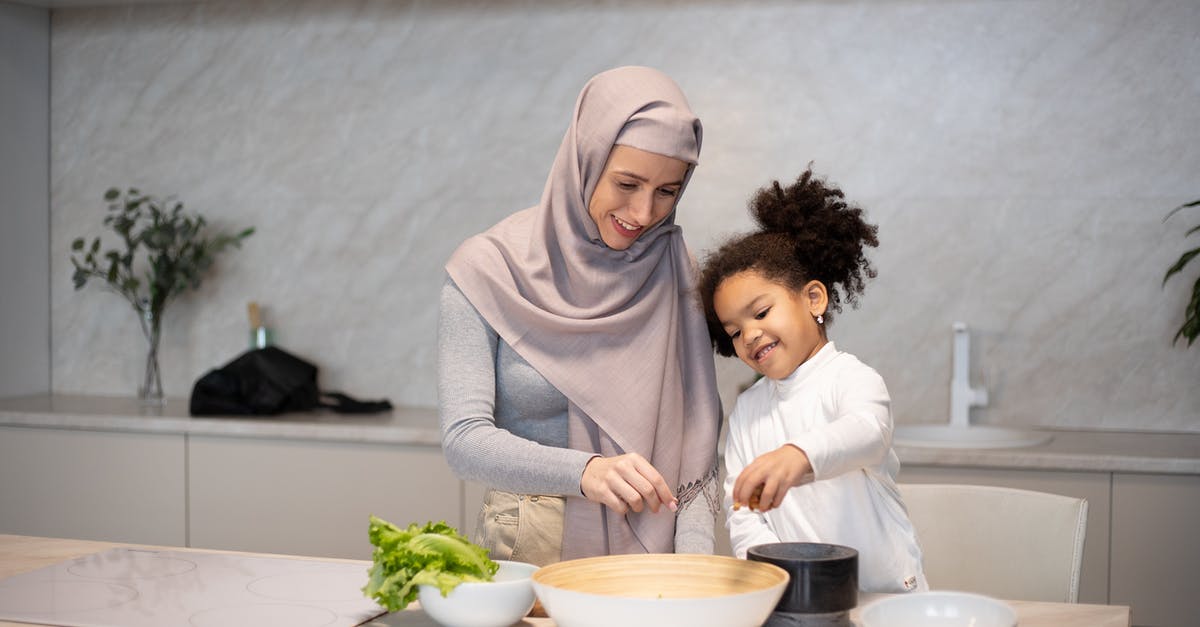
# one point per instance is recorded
(1154, 551)
(311, 498)
(92, 485)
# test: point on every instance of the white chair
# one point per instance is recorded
(1002, 542)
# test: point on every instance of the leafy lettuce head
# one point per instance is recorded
(434, 554)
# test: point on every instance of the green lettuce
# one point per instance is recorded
(434, 554)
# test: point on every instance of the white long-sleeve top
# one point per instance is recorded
(837, 410)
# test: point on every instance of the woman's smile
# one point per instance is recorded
(625, 228)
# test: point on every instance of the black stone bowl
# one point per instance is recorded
(824, 577)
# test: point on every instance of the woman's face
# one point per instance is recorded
(773, 327)
(637, 190)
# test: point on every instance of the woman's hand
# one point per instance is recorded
(626, 482)
(765, 481)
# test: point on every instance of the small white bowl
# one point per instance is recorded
(497, 603)
(938, 609)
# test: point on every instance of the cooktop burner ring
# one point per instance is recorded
(130, 564)
(310, 586)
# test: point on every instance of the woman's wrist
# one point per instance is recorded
(584, 473)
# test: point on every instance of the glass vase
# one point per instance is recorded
(150, 392)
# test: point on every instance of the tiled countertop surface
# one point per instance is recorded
(1099, 451)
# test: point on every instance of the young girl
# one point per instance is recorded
(809, 453)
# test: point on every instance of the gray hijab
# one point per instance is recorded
(619, 333)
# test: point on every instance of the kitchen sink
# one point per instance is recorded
(952, 436)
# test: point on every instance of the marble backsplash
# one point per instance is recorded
(1018, 157)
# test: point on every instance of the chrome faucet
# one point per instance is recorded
(962, 396)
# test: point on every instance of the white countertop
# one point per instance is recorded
(1099, 451)
(402, 425)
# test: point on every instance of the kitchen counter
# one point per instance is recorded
(216, 482)
(1101, 451)
(402, 425)
(1098, 451)
(20, 554)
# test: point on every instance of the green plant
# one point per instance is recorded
(177, 254)
(434, 554)
(1191, 313)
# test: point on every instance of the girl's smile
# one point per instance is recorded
(761, 354)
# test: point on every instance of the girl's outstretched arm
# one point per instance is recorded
(746, 527)
(860, 436)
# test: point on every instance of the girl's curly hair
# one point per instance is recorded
(806, 232)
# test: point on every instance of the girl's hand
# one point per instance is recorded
(766, 480)
(626, 482)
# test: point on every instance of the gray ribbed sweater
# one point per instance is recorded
(505, 426)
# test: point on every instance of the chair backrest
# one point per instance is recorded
(1002, 542)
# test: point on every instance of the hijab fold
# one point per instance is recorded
(619, 333)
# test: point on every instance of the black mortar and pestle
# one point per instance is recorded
(823, 585)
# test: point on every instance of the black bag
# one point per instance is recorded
(266, 381)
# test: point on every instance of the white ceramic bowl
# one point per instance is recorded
(664, 590)
(497, 603)
(938, 609)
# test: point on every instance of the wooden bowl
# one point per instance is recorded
(665, 590)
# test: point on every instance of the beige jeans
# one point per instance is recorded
(521, 527)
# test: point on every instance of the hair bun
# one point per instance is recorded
(807, 232)
(826, 236)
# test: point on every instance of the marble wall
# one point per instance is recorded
(1018, 156)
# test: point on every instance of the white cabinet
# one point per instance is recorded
(311, 498)
(1093, 486)
(93, 485)
(1155, 550)
(299, 497)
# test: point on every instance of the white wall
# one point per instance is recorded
(1018, 157)
(24, 200)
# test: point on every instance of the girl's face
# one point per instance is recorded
(637, 190)
(773, 328)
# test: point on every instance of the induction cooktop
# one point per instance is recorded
(130, 587)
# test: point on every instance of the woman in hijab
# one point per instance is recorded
(574, 376)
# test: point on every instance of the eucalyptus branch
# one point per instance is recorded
(171, 245)
(1191, 312)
